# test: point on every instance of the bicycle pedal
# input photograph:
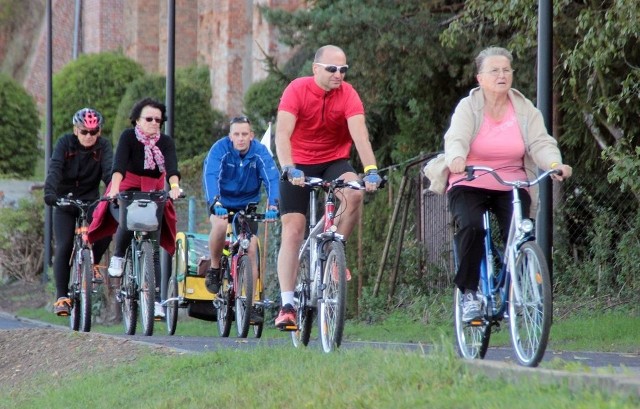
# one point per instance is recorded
(476, 323)
(289, 328)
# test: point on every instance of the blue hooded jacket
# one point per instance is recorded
(235, 180)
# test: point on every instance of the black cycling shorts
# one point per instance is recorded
(253, 225)
(295, 199)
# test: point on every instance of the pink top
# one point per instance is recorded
(498, 145)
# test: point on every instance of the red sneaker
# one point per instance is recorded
(286, 318)
(334, 273)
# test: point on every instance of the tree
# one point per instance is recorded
(93, 80)
(19, 124)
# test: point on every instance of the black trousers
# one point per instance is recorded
(64, 222)
(467, 206)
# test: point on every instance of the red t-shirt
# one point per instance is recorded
(321, 133)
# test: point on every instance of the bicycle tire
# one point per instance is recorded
(128, 292)
(147, 287)
(332, 305)
(472, 341)
(257, 328)
(225, 299)
(86, 288)
(301, 299)
(74, 293)
(172, 306)
(244, 296)
(530, 305)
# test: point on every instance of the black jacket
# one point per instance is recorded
(78, 170)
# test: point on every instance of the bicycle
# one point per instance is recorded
(514, 285)
(237, 297)
(81, 282)
(141, 213)
(321, 283)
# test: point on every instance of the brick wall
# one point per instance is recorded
(226, 35)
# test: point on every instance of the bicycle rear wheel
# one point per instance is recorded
(530, 305)
(244, 296)
(86, 288)
(147, 287)
(128, 293)
(301, 296)
(472, 341)
(332, 305)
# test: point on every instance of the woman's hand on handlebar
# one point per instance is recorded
(457, 165)
(565, 172)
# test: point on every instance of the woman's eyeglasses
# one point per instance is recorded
(150, 119)
(239, 120)
(497, 71)
(333, 68)
(86, 131)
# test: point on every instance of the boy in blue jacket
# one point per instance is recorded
(234, 171)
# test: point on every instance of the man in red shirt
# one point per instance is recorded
(319, 118)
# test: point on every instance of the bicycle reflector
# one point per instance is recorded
(526, 225)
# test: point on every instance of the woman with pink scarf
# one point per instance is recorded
(143, 160)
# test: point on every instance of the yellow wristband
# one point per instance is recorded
(370, 167)
(174, 186)
(554, 164)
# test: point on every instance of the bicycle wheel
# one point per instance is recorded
(86, 288)
(257, 328)
(244, 296)
(530, 305)
(147, 287)
(472, 341)
(74, 293)
(301, 296)
(223, 303)
(128, 293)
(172, 305)
(332, 304)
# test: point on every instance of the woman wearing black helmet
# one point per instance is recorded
(80, 160)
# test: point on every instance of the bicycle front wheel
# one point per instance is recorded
(530, 305)
(86, 287)
(128, 295)
(472, 341)
(172, 305)
(332, 305)
(244, 296)
(147, 287)
(301, 296)
(223, 302)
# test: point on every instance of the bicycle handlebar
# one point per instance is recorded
(338, 183)
(470, 170)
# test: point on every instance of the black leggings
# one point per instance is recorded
(64, 222)
(467, 206)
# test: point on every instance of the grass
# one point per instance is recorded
(284, 377)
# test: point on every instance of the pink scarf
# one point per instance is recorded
(151, 151)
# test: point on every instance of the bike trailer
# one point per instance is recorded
(191, 261)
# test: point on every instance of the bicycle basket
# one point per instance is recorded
(141, 211)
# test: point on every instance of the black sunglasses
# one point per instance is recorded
(92, 133)
(150, 118)
(240, 120)
(333, 68)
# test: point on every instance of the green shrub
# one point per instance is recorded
(21, 239)
(261, 100)
(19, 124)
(196, 124)
(93, 80)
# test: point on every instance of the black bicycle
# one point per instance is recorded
(81, 285)
(141, 213)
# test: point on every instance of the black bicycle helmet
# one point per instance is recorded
(88, 118)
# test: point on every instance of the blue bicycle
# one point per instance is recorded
(514, 285)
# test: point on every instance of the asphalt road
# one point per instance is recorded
(618, 362)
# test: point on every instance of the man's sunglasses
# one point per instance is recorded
(333, 68)
(92, 133)
(239, 120)
(150, 118)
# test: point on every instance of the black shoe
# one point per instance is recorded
(212, 280)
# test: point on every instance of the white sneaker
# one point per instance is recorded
(158, 310)
(116, 265)
(471, 308)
